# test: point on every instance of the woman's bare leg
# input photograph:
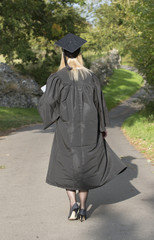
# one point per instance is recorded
(83, 195)
(72, 196)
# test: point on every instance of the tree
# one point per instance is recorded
(127, 25)
(26, 26)
(141, 46)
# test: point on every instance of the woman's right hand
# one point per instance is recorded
(104, 134)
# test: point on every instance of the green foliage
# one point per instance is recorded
(111, 26)
(127, 60)
(41, 71)
(90, 56)
(122, 85)
(128, 26)
(142, 46)
(29, 28)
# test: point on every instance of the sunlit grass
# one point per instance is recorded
(139, 128)
(121, 86)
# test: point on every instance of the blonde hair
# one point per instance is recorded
(76, 64)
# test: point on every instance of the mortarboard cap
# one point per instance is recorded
(70, 42)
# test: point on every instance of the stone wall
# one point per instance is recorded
(17, 90)
(103, 67)
(20, 91)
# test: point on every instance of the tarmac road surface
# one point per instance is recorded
(30, 209)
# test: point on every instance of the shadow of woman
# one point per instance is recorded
(117, 190)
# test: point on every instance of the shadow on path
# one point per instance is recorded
(117, 190)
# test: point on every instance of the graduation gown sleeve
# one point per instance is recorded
(48, 105)
(101, 106)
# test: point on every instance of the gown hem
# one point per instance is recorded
(93, 187)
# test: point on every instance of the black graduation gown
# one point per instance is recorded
(80, 156)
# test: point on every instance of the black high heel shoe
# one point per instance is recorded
(73, 215)
(82, 215)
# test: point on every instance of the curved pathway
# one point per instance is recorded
(31, 209)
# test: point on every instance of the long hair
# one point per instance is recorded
(77, 66)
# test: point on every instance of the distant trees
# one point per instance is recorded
(142, 44)
(127, 25)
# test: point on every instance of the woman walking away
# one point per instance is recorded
(80, 159)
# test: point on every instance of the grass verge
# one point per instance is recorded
(13, 118)
(123, 84)
(139, 129)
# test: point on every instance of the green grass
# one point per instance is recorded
(122, 85)
(139, 128)
(11, 118)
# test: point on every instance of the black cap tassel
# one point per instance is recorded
(65, 60)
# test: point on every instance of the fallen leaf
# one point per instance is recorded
(2, 166)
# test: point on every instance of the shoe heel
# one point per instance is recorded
(73, 215)
(82, 215)
(82, 218)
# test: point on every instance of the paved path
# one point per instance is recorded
(31, 209)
